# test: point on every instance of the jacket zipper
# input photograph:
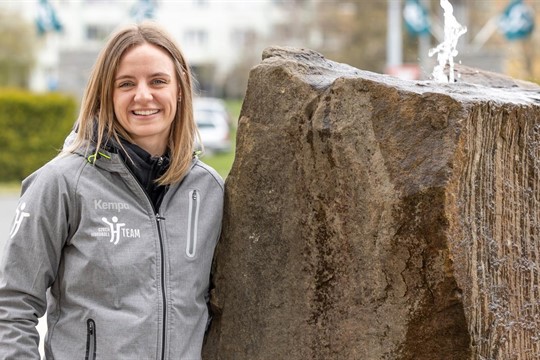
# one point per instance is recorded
(90, 340)
(193, 218)
(163, 295)
(159, 218)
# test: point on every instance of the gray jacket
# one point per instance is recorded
(118, 279)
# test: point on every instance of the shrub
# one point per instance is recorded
(34, 127)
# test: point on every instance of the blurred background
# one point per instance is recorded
(48, 47)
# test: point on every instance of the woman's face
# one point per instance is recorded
(145, 96)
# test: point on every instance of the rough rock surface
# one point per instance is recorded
(368, 217)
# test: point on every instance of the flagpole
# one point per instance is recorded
(424, 44)
(394, 45)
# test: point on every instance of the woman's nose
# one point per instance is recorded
(143, 93)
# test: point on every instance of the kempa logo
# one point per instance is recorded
(115, 230)
(19, 217)
(104, 205)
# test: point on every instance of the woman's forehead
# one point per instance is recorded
(146, 58)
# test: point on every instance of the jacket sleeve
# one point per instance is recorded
(29, 261)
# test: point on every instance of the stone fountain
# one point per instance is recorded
(369, 217)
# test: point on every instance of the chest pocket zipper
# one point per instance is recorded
(90, 340)
(193, 218)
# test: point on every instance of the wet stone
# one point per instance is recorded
(369, 217)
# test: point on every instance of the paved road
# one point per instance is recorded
(8, 204)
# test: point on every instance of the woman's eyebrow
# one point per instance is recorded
(122, 77)
(160, 74)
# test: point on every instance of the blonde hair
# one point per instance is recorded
(97, 121)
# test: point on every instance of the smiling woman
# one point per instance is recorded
(120, 229)
(145, 96)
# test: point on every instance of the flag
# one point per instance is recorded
(143, 9)
(416, 18)
(46, 18)
(517, 21)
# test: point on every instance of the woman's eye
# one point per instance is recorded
(159, 82)
(125, 84)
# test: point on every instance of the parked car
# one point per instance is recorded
(213, 122)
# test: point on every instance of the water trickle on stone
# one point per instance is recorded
(446, 51)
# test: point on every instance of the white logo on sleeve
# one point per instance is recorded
(115, 228)
(19, 217)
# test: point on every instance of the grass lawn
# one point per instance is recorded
(222, 163)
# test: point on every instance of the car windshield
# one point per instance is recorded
(205, 125)
(204, 118)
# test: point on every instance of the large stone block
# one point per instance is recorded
(368, 217)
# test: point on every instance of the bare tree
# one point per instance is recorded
(17, 49)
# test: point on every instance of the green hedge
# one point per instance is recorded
(33, 129)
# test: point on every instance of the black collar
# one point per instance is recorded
(146, 169)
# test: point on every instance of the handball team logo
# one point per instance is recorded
(20, 215)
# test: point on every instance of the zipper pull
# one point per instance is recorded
(194, 196)
(160, 161)
(159, 217)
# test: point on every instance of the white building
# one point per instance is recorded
(214, 35)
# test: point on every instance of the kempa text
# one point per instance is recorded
(118, 206)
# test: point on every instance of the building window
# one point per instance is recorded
(243, 37)
(196, 37)
(98, 32)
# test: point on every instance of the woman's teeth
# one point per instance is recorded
(145, 112)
